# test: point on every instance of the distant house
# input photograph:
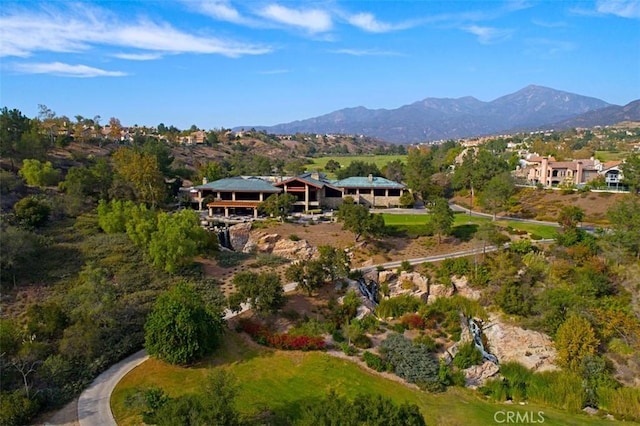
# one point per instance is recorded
(240, 195)
(551, 173)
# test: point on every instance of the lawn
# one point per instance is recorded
(379, 160)
(413, 224)
(281, 381)
(611, 155)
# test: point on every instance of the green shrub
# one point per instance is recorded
(32, 211)
(412, 362)
(558, 389)
(467, 356)
(623, 403)
(374, 362)
(362, 341)
(16, 409)
(36, 173)
(428, 342)
(294, 237)
(398, 306)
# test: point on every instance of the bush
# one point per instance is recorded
(362, 341)
(16, 409)
(284, 341)
(398, 306)
(412, 321)
(36, 173)
(294, 237)
(467, 356)
(32, 211)
(428, 342)
(374, 362)
(412, 362)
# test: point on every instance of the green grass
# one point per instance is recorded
(611, 155)
(413, 224)
(282, 381)
(379, 160)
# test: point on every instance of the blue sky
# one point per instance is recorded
(230, 63)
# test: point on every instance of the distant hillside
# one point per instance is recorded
(602, 117)
(436, 119)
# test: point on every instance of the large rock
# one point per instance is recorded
(439, 290)
(462, 288)
(386, 276)
(419, 281)
(261, 242)
(239, 236)
(477, 375)
(532, 349)
(294, 250)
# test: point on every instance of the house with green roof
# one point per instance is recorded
(372, 191)
(240, 195)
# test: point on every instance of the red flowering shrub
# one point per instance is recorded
(412, 321)
(264, 336)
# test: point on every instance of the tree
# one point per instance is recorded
(278, 205)
(115, 128)
(358, 168)
(419, 171)
(335, 262)
(497, 192)
(310, 275)
(262, 291)
(211, 170)
(357, 219)
(332, 165)
(441, 218)
(143, 172)
(32, 211)
(180, 329)
(575, 339)
(624, 219)
(570, 216)
(394, 170)
(13, 125)
(631, 172)
(36, 173)
(178, 239)
(407, 200)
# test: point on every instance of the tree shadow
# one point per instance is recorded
(465, 232)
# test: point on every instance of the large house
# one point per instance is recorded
(313, 191)
(551, 173)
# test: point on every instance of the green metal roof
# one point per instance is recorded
(240, 184)
(365, 182)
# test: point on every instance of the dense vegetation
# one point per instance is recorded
(96, 261)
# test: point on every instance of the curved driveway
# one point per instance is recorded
(94, 404)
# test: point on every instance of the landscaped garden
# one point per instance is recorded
(281, 381)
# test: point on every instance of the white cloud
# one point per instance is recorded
(138, 56)
(622, 8)
(368, 22)
(365, 52)
(65, 70)
(488, 35)
(78, 28)
(312, 20)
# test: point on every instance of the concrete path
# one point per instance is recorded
(94, 404)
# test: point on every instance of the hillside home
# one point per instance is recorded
(551, 173)
(240, 195)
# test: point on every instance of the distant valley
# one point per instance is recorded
(432, 119)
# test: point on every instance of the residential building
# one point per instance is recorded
(239, 195)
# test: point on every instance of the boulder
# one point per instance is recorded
(462, 288)
(261, 242)
(477, 375)
(439, 290)
(293, 250)
(419, 281)
(239, 235)
(386, 276)
(533, 349)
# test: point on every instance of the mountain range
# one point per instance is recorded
(432, 119)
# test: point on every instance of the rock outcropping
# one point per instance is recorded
(239, 236)
(263, 242)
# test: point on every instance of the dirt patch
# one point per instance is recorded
(545, 204)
